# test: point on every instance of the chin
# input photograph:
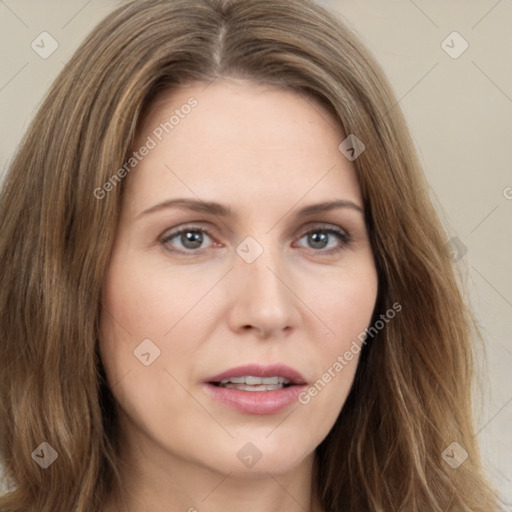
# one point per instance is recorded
(257, 458)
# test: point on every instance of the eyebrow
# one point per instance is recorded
(221, 210)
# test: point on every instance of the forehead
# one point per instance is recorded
(241, 141)
(235, 103)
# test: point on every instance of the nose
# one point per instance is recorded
(263, 298)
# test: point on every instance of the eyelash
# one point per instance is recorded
(342, 235)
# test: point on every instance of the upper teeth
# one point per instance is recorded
(250, 380)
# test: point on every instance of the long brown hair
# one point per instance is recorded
(411, 398)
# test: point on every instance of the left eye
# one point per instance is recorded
(319, 239)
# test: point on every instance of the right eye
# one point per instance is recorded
(191, 239)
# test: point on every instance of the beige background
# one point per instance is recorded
(459, 111)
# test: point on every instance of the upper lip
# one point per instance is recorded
(258, 370)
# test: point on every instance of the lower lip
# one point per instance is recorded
(256, 402)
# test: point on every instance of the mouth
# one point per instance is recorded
(256, 389)
(257, 377)
(253, 383)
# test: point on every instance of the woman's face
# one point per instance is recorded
(255, 286)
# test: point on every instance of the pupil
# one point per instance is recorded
(193, 238)
(318, 238)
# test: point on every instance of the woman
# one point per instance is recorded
(226, 286)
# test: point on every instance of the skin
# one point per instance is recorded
(266, 153)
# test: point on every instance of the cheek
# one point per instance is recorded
(130, 316)
(346, 310)
(135, 297)
(139, 308)
(141, 302)
(345, 305)
(145, 301)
